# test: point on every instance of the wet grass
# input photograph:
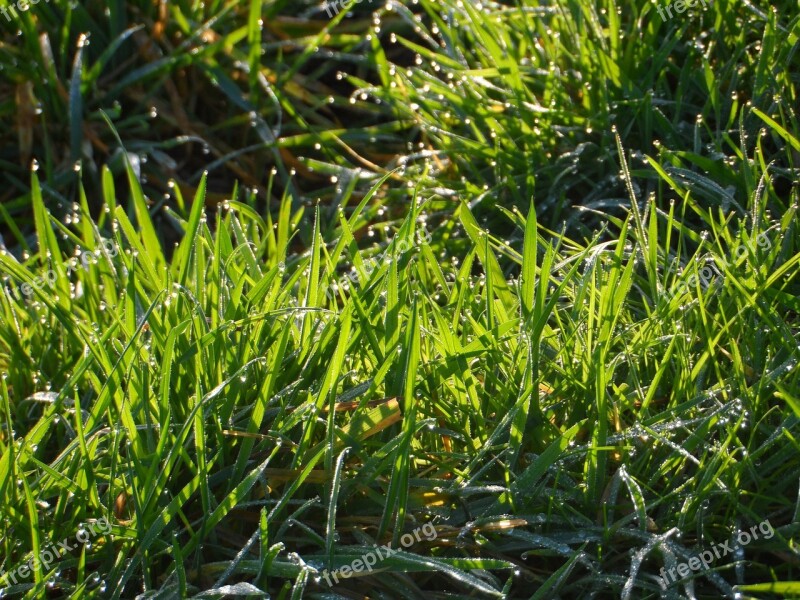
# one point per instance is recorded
(280, 288)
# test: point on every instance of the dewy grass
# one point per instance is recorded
(545, 379)
(199, 405)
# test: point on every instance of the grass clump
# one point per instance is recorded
(529, 281)
(236, 423)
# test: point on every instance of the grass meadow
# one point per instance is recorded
(430, 299)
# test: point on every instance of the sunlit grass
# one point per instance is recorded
(529, 274)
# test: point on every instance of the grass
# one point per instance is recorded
(279, 291)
